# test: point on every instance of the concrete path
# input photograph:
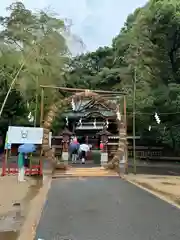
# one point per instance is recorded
(104, 208)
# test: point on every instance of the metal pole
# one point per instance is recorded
(41, 124)
(35, 111)
(125, 124)
(42, 107)
(134, 121)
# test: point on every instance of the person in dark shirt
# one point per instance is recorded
(73, 149)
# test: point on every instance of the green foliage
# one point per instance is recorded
(148, 44)
(15, 108)
(147, 50)
(37, 41)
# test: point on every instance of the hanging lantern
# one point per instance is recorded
(94, 123)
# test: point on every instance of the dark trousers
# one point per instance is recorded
(83, 155)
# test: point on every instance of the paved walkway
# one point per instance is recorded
(104, 208)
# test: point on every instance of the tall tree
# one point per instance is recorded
(38, 39)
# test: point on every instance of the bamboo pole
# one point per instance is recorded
(82, 90)
(10, 88)
(41, 125)
(6, 161)
(36, 106)
(42, 107)
(14, 81)
(134, 122)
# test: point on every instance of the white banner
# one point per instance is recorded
(21, 135)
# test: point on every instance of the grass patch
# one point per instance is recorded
(171, 197)
(169, 183)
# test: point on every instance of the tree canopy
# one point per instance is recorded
(146, 52)
(149, 46)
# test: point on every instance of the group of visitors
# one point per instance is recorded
(78, 151)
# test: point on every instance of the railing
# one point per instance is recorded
(147, 153)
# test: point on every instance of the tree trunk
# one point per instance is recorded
(47, 128)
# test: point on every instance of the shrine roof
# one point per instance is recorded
(66, 132)
(88, 107)
(104, 132)
(85, 114)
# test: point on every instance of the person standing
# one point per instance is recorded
(84, 148)
(73, 149)
(21, 170)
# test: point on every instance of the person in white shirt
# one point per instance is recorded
(84, 148)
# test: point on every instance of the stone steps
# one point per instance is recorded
(85, 172)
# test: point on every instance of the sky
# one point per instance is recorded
(96, 22)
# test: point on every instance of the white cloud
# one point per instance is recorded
(95, 21)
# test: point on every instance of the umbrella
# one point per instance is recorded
(26, 148)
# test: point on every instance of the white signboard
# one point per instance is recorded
(21, 135)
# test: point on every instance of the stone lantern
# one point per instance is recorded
(66, 134)
(104, 134)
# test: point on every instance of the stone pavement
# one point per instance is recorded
(85, 172)
(104, 208)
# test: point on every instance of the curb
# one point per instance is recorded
(154, 192)
(28, 230)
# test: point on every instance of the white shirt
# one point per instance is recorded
(84, 147)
